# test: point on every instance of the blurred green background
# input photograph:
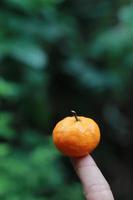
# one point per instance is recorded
(58, 55)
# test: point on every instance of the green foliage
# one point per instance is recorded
(8, 89)
(57, 55)
(5, 125)
(32, 171)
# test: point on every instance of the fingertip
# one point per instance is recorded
(83, 161)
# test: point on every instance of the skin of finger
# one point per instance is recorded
(94, 184)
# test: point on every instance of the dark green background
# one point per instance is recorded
(58, 55)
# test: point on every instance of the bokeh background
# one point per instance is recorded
(58, 55)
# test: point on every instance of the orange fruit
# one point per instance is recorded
(76, 136)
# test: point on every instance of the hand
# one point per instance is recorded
(94, 184)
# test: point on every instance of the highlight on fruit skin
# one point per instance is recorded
(76, 136)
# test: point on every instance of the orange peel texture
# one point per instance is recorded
(76, 138)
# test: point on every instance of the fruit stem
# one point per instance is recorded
(75, 115)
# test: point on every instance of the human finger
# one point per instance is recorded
(94, 184)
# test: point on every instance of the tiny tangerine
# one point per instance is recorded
(76, 136)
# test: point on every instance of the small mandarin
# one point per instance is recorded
(76, 136)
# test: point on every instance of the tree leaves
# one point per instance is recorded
(9, 89)
(29, 54)
(6, 129)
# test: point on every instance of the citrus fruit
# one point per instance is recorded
(76, 136)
